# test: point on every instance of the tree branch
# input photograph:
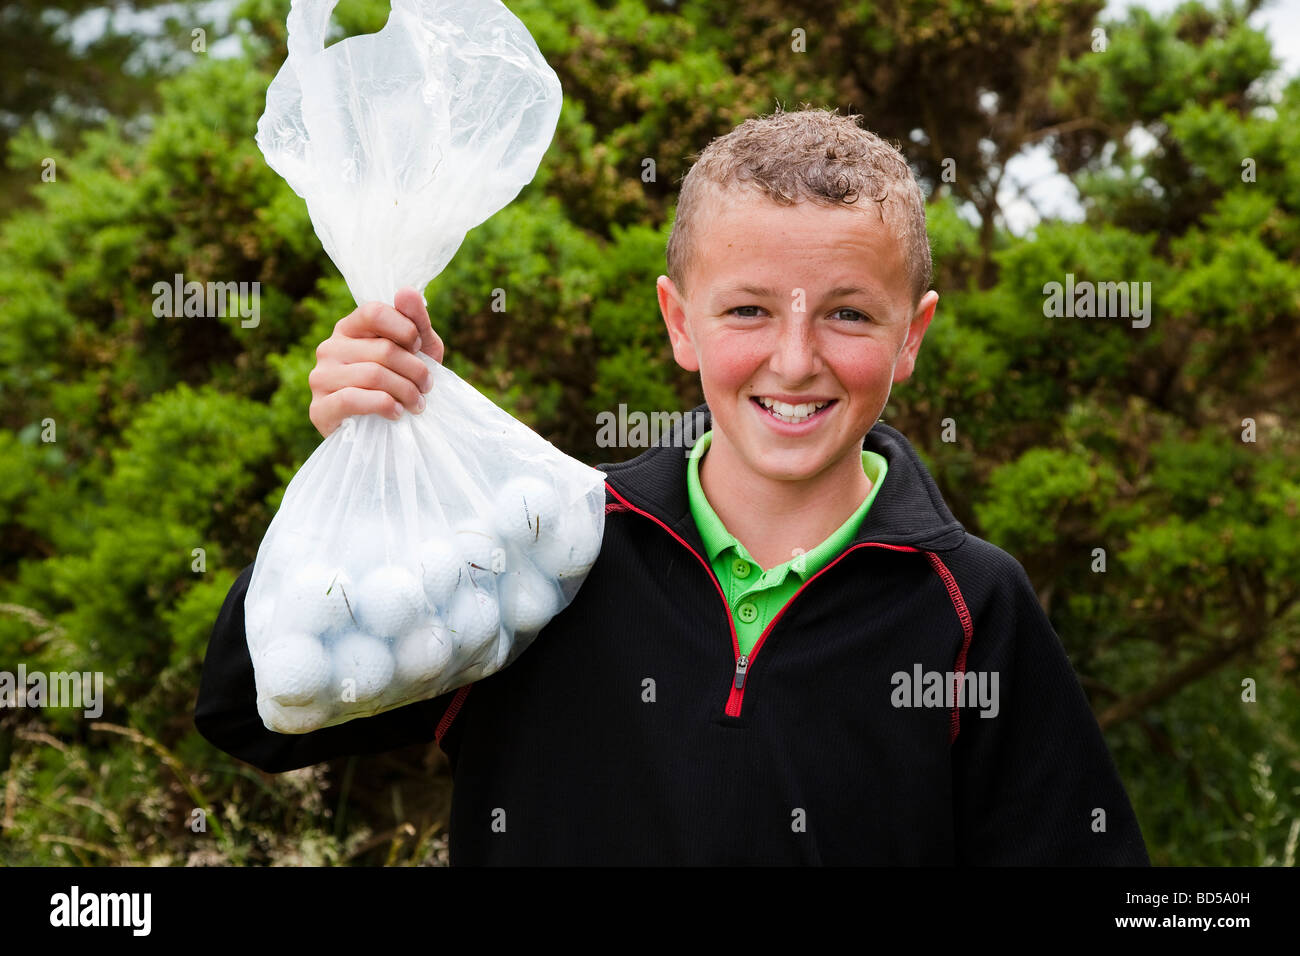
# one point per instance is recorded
(1132, 706)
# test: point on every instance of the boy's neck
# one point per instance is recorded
(773, 518)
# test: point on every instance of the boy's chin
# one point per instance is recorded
(770, 462)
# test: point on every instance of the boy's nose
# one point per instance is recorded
(794, 355)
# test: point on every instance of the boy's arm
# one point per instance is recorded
(1035, 785)
(226, 712)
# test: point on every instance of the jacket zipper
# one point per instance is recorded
(743, 663)
(736, 695)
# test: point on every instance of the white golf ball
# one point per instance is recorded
(441, 569)
(363, 668)
(573, 555)
(480, 549)
(293, 720)
(389, 601)
(528, 602)
(257, 619)
(318, 599)
(474, 620)
(528, 512)
(423, 653)
(293, 669)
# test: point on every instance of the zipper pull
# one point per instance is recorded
(742, 665)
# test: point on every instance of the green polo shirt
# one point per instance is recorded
(754, 595)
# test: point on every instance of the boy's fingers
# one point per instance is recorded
(411, 304)
(328, 413)
(380, 351)
(377, 320)
(369, 376)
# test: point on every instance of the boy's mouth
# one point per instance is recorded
(789, 413)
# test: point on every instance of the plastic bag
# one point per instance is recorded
(402, 141)
(408, 558)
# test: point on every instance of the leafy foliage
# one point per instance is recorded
(1073, 435)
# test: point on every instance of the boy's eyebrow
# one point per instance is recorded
(759, 290)
(765, 291)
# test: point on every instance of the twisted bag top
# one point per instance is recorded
(402, 141)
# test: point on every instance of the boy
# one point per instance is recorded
(690, 707)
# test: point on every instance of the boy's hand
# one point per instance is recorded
(369, 365)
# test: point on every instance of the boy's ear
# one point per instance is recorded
(915, 333)
(674, 312)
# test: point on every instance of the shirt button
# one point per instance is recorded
(748, 613)
(740, 568)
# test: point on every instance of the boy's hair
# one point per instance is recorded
(813, 155)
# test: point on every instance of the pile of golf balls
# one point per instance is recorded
(352, 640)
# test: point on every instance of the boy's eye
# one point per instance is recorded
(853, 315)
(849, 315)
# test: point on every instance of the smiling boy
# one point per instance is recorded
(781, 308)
(726, 687)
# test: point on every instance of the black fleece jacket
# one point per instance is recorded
(630, 733)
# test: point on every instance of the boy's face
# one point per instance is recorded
(802, 304)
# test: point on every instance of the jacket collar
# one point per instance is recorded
(908, 510)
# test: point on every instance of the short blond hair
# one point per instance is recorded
(809, 154)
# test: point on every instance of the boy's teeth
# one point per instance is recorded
(791, 413)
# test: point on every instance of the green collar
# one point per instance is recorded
(717, 538)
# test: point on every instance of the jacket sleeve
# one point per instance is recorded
(226, 712)
(1034, 785)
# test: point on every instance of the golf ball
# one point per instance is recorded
(573, 555)
(423, 653)
(293, 669)
(441, 568)
(363, 668)
(389, 601)
(474, 620)
(257, 619)
(480, 549)
(528, 602)
(527, 512)
(318, 599)
(293, 720)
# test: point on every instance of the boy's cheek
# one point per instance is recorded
(729, 365)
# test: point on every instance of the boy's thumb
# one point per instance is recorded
(411, 304)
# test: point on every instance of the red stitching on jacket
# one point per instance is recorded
(967, 627)
(612, 506)
(450, 714)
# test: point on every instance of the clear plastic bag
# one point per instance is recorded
(408, 558)
(402, 141)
